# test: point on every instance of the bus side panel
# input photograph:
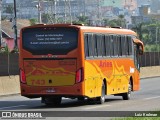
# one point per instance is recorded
(136, 81)
(91, 76)
(116, 72)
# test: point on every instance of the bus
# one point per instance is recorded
(76, 61)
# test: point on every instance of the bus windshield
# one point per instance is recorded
(52, 40)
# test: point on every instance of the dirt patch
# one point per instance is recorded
(153, 71)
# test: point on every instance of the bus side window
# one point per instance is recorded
(86, 45)
(136, 56)
(95, 45)
(129, 44)
(111, 45)
(103, 46)
(99, 45)
(107, 45)
(115, 45)
(119, 46)
(90, 44)
(124, 45)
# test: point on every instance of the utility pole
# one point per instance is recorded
(70, 11)
(67, 10)
(0, 23)
(65, 3)
(55, 11)
(39, 11)
(15, 25)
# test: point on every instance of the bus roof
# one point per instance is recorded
(89, 28)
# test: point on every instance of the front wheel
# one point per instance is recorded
(101, 99)
(52, 101)
(127, 96)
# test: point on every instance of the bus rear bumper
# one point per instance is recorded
(63, 91)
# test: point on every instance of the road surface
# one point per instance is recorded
(147, 99)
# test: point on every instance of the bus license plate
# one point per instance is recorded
(50, 90)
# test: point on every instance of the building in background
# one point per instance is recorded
(0, 23)
(155, 6)
(64, 9)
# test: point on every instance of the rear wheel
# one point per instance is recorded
(127, 96)
(52, 100)
(101, 99)
(80, 98)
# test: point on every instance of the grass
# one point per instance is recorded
(138, 118)
(141, 118)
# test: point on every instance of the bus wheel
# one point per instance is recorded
(80, 98)
(127, 96)
(101, 99)
(52, 100)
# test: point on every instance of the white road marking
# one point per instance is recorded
(94, 107)
(151, 98)
(12, 107)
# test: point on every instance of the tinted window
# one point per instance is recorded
(115, 45)
(103, 46)
(86, 45)
(129, 41)
(49, 40)
(107, 45)
(90, 44)
(111, 45)
(99, 45)
(124, 45)
(119, 45)
(95, 45)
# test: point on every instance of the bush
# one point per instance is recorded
(33, 21)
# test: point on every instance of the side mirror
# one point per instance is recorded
(140, 46)
(140, 49)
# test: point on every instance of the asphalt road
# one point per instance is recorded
(147, 99)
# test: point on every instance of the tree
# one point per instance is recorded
(138, 29)
(121, 21)
(82, 20)
(106, 22)
(33, 21)
(9, 9)
(45, 18)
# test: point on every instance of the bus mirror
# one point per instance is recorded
(140, 46)
(140, 50)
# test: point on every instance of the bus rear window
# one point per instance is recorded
(40, 41)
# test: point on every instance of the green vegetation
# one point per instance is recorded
(152, 48)
(9, 9)
(149, 33)
(82, 20)
(33, 21)
(141, 118)
(4, 50)
(120, 21)
(138, 118)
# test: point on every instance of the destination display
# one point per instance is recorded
(50, 41)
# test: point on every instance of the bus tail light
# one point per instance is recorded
(79, 75)
(22, 76)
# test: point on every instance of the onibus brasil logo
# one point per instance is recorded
(21, 115)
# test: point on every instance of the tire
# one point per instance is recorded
(50, 101)
(101, 99)
(80, 98)
(127, 96)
